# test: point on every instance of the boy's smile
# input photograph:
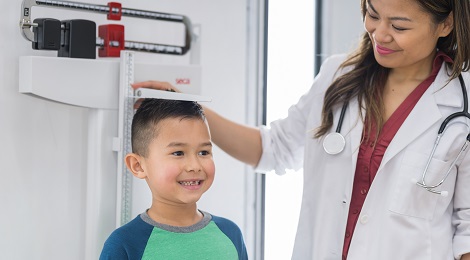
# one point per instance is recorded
(191, 184)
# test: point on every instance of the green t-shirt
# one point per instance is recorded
(142, 238)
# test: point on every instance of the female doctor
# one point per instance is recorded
(365, 133)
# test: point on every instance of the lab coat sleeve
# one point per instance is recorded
(461, 216)
(284, 141)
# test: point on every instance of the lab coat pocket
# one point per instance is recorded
(408, 198)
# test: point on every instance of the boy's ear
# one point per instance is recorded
(134, 164)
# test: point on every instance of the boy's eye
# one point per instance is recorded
(178, 153)
(204, 153)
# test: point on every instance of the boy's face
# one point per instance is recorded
(179, 167)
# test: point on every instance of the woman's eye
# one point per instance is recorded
(373, 17)
(399, 28)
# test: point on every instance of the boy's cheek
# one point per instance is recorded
(210, 169)
(171, 171)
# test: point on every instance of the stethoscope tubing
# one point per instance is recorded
(440, 133)
(341, 117)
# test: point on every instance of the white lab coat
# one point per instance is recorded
(399, 220)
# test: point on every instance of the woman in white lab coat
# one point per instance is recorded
(398, 87)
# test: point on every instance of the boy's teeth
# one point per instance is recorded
(189, 183)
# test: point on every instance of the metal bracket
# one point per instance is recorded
(113, 12)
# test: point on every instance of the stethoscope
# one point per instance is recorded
(334, 142)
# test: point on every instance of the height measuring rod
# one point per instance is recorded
(26, 23)
(126, 112)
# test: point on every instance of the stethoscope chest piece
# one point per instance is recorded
(334, 143)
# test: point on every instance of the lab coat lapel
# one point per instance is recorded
(425, 114)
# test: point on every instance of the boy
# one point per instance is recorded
(172, 151)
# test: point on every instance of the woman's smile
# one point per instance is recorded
(383, 51)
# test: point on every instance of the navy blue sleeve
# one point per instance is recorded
(128, 241)
(232, 231)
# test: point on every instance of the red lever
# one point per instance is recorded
(112, 35)
(112, 15)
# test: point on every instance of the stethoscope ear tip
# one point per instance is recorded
(444, 193)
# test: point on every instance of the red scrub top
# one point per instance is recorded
(370, 155)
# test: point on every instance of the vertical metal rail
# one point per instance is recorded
(126, 113)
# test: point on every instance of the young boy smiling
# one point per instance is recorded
(172, 151)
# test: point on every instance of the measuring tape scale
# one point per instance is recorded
(126, 113)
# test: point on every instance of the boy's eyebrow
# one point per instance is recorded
(177, 144)
(207, 144)
(395, 18)
(174, 144)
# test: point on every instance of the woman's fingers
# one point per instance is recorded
(153, 84)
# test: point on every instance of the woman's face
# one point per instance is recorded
(404, 36)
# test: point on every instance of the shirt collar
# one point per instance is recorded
(438, 60)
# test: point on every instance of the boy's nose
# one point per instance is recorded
(193, 164)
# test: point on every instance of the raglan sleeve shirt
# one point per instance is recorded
(142, 238)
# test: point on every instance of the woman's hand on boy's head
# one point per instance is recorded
(152, 84)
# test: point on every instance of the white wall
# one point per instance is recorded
(342, 26)
(44, 151)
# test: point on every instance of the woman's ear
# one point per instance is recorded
(447, 26)
(134, 164)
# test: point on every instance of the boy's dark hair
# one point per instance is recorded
(151, 112)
